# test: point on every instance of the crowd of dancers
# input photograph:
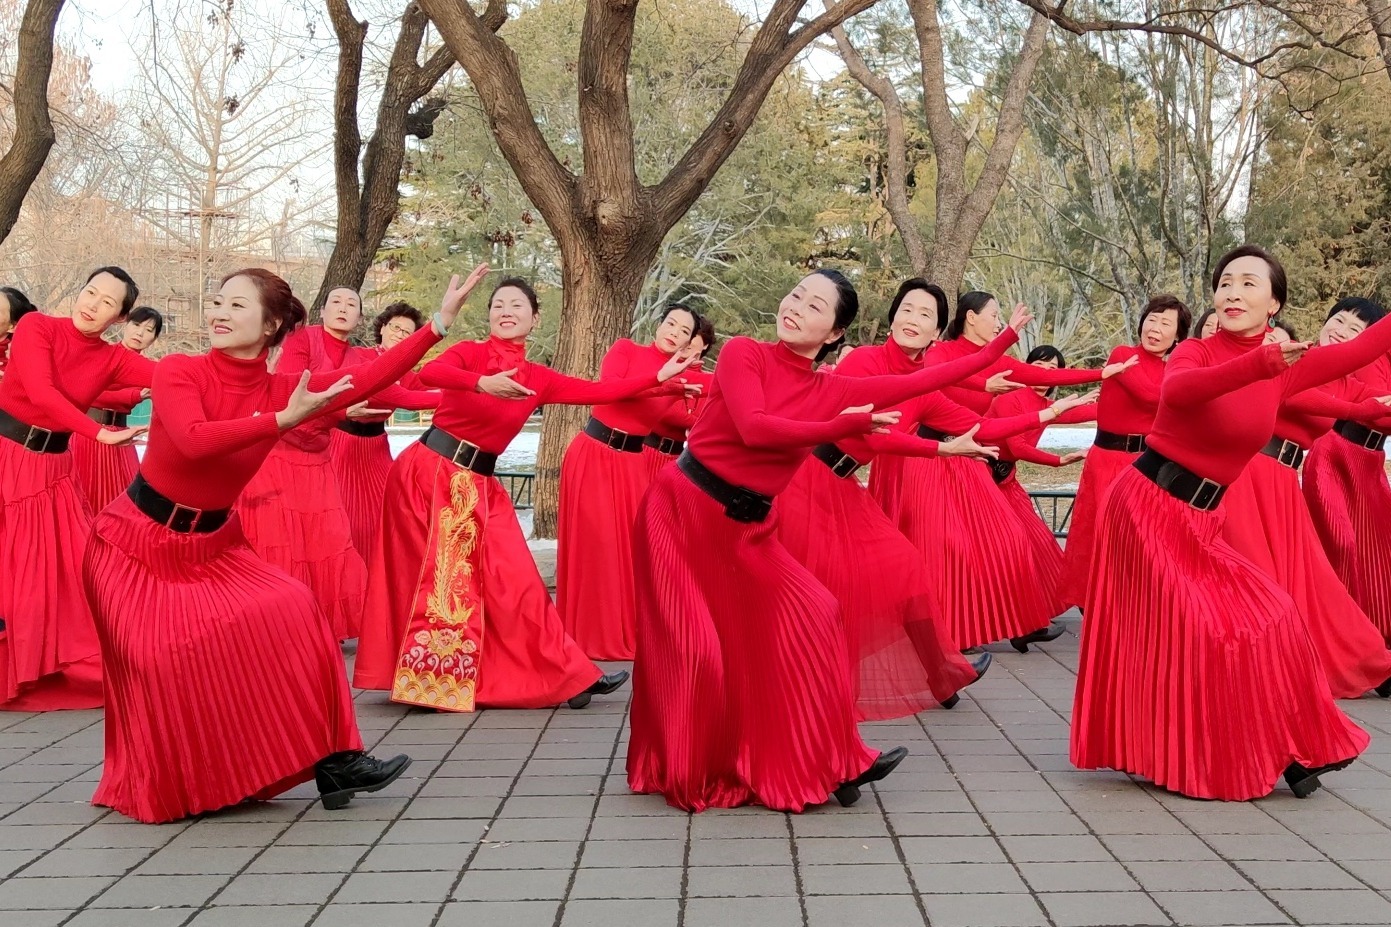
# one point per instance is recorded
(1229, 545)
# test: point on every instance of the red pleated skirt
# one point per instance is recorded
(1048, 554)
(742, 691)
(294, 517)
(902, 656)
(886, 484)
(103, 471)
(1099, 471)
(360, 466)
(657, 461)
(972, 540)
(600, 489)
(1196, 670)
(1268, 523)
(1350, 502)
(49, 653)
(457, 614)
(224, 681)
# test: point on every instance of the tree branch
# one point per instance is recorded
(33, 126)
(609, 184)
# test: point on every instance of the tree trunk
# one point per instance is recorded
(1379, 12)
(34, 135)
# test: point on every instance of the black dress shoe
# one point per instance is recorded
(980, 663)
(604, 686)
(1304, 781)
(849, 792)
(342, 775)
(951, 701)
(1041, 636)
(1384, 690)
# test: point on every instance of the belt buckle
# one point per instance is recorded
(1204, 498)
(617, 439)
(47, 437)
(179, 510)
(668, 446)
(1373, 441)
(471, 455)
(1289, 454)
(845, 466)
(1134, 444)
(747, 506)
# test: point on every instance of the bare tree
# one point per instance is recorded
(1379, 15)
(33, 126)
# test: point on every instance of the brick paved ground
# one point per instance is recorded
(514, 819)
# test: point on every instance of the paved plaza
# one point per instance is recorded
(523, 819)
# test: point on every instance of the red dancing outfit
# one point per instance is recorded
(1349, 498)
(49, 654)
(1196, 668)
(458, 616)
(360, 453)
(104, 471)
(668, 437)
(1126, 411)
(601, 484)
(224, 678)
(743, 690)
(965, 529)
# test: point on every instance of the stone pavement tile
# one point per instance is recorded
(952, 850)
(1119, 797)
(546, 806)
(831, 824)
(623, 804)
(977, 911)
(967, 878)
(24, 792)
(1159, 848)
(940, 824)
(606, 854)
(1032, 802)
(513, 885)
(48, 894)
(491, 913)
(1358, 906)
(452, 787)
(723, 912)
(872, 879)
(574, 750)
(416, 857)
(448, 831)
(171, 891)
(65, 862)
(740, 881)
(397, 915)
(36, 836)
(395, 887)
(300, 889)
(838, 911)
(1219, 909)
(921, 802)
(1301, 875)
(1004, 782)
(43, 772)
(120, 836)
(586, 913)
(627, 883)
(1077, 877)
(637, 828)
(1373, 872)
(56, 813)
(928, 791)
(205, 861)
(526, 855)
(1230, 819)
(11, 860)
(444, 808)
(110, 917)
(967, 767)
(1187, 877)
(292, 860)
(757, 852)
(50, 919)
(561, 785)
(1158, 822)
(1264, 846)
(1055, 849)
(386, 805)
(260, 916)
(1026, 823)
(581, 767)
(812, 850)
(711, 826)
(1104, 909)
(212, 832)
(481, 769)
(1328, 821)
(332, 833)
(483, 735)
(1353, 846)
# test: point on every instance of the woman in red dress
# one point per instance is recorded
(668, 437)
(104, 471)
(1196, 669)
(952, 512)
(224, 679)
(359, 448)
(458, 616)
(744, 693)
(1124, 415)
(602, 479)
(1346, 487)
(49, 655)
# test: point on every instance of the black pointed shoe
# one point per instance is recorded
(980, 663)
(343, 775)
(1041, 636)
(849, 792)
(1304, 781)
(1384, 690)
(604, 686)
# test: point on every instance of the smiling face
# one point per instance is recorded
(342, 312)
(396, 331)
(807, 315)
(138, 336)
(674, 334)
(1244, 300)
(914, 326)
(237, 323)
(1341, 327)
(1160, 331)
(510, 316)
(99, 305)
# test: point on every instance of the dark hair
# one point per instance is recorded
(932, 289)
(396, 311)
(1285, 327)
(1164, 302)
(20, 306)
(1279, 285)
(705, 329)
(974, 301)
(132, 291)
(847, 307)
(677, 307)
(1202, 321)
(1046, 352)
(1368, 310)
(278, 302)
(520, 284)
(147, 314)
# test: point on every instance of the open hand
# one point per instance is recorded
(456, 293)
(1292, 351)
(303, 402)
(1020, 317)
(1110, 370)
(502, 385)
(676, 365)
(124, 436)
(965, 445)
(361, 410)
(1072, 458)
(1000, 383)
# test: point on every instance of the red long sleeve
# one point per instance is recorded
(1129, 400)
(748, 406)
(120, 400)
(1189, 382)
(1323, 364)
(186, 424)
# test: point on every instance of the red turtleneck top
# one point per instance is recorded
(491, 423)
(1308, 416)
(214, 422)
(1221, 395)
(1129, 400)
(640, 414)
(972, 395)
(56, 372)
(1024, 444)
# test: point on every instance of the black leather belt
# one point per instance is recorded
(671, 446)
(461, 453)
(740, 504)
(1284, 451)
(1000, 469)
(361, 429)
(32, 437)
(932, 434)
(1180, 482)
(613, 438)
(841, 463)
(109, 417)
(1360, 435)
(165, 511)
(1113, 441)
